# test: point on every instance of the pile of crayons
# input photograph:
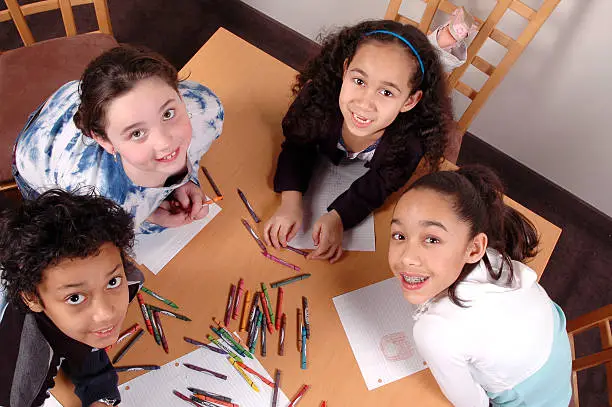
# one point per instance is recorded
(152, 319)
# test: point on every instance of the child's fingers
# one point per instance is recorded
(337, 255)
(296, 227)
(323, 246)
(266, 233)
(283, 231)
(201, 213)
(274, 236)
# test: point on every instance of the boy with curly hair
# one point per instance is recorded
(66, 286)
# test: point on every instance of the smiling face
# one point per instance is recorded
(86, 298)
(376, 88)
(150, 129)
(429, 244)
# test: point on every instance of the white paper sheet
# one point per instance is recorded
(327, 183)
(154, 389)
(378, 323)
(156, 250)
(51, 402)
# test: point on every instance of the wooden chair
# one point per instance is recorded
(599, 318)
(31, 73)
(487, 29)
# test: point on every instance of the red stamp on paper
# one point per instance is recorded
(396, 347)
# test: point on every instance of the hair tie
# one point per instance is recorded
(405, 41)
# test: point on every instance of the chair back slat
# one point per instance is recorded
(487, 29)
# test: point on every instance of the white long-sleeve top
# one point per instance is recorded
(506, 337)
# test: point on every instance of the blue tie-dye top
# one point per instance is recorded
(53, 153)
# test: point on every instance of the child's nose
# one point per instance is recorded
(366, 101)
(410, 255)
(103, 310)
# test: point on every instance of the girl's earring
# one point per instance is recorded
(115, 156)
(189, 114)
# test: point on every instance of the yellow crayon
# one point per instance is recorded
(243, 374)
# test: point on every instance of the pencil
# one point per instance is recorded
(213, 200)
(245, 311)
(248, 206)
(211, 181)
(161, 331)
(127, 346)
(277, 378)
(159, 297)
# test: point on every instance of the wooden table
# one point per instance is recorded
(255, 91)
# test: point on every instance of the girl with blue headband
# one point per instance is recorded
(375, 93)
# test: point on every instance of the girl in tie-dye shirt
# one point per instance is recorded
(130, 129)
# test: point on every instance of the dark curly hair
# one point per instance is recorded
(113, 74)
(429, 120)
(55, 226)
(477, 195)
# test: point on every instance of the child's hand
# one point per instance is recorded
(169, 215)
(190, 198)
(327, 237)
(284, 224)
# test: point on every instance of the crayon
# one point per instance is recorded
(261, 377)
(224, 347)
(195, 390)
(248, 227)
(239, 292)
(124, 335)
(280, 261)
(243, 374)
(207, 371)
(159, 297)
(161, 331)
(279, 306)
(266, 312)
(290, 280)
(281, 335)
(204, 345)
(243, 319)
(145, 314)
(306, 316)
(127, 346)
(169, 313)
(277, 378)
(135, 368)
(154, 325)
(268, 302)
(248, 206)
(230, 304)
(211, 181)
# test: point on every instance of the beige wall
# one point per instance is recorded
(551, 112)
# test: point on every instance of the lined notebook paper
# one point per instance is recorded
(378, 323)
(329, 181)
(157, 249)
(154, 389)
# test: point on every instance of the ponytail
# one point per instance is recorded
(477, 194)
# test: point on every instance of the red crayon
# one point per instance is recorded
(266, 312)
(230, 305)
(236, 309)
(161, 331)
(145, 314)
(279, 307)
(299, 396)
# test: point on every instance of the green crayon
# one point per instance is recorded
(269, 303)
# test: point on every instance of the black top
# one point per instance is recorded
(298, 158)
(33, 348)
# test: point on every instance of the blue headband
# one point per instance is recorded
(405, 41)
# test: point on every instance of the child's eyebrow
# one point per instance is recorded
(166, 104)
(82, 283)
(427, 223)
